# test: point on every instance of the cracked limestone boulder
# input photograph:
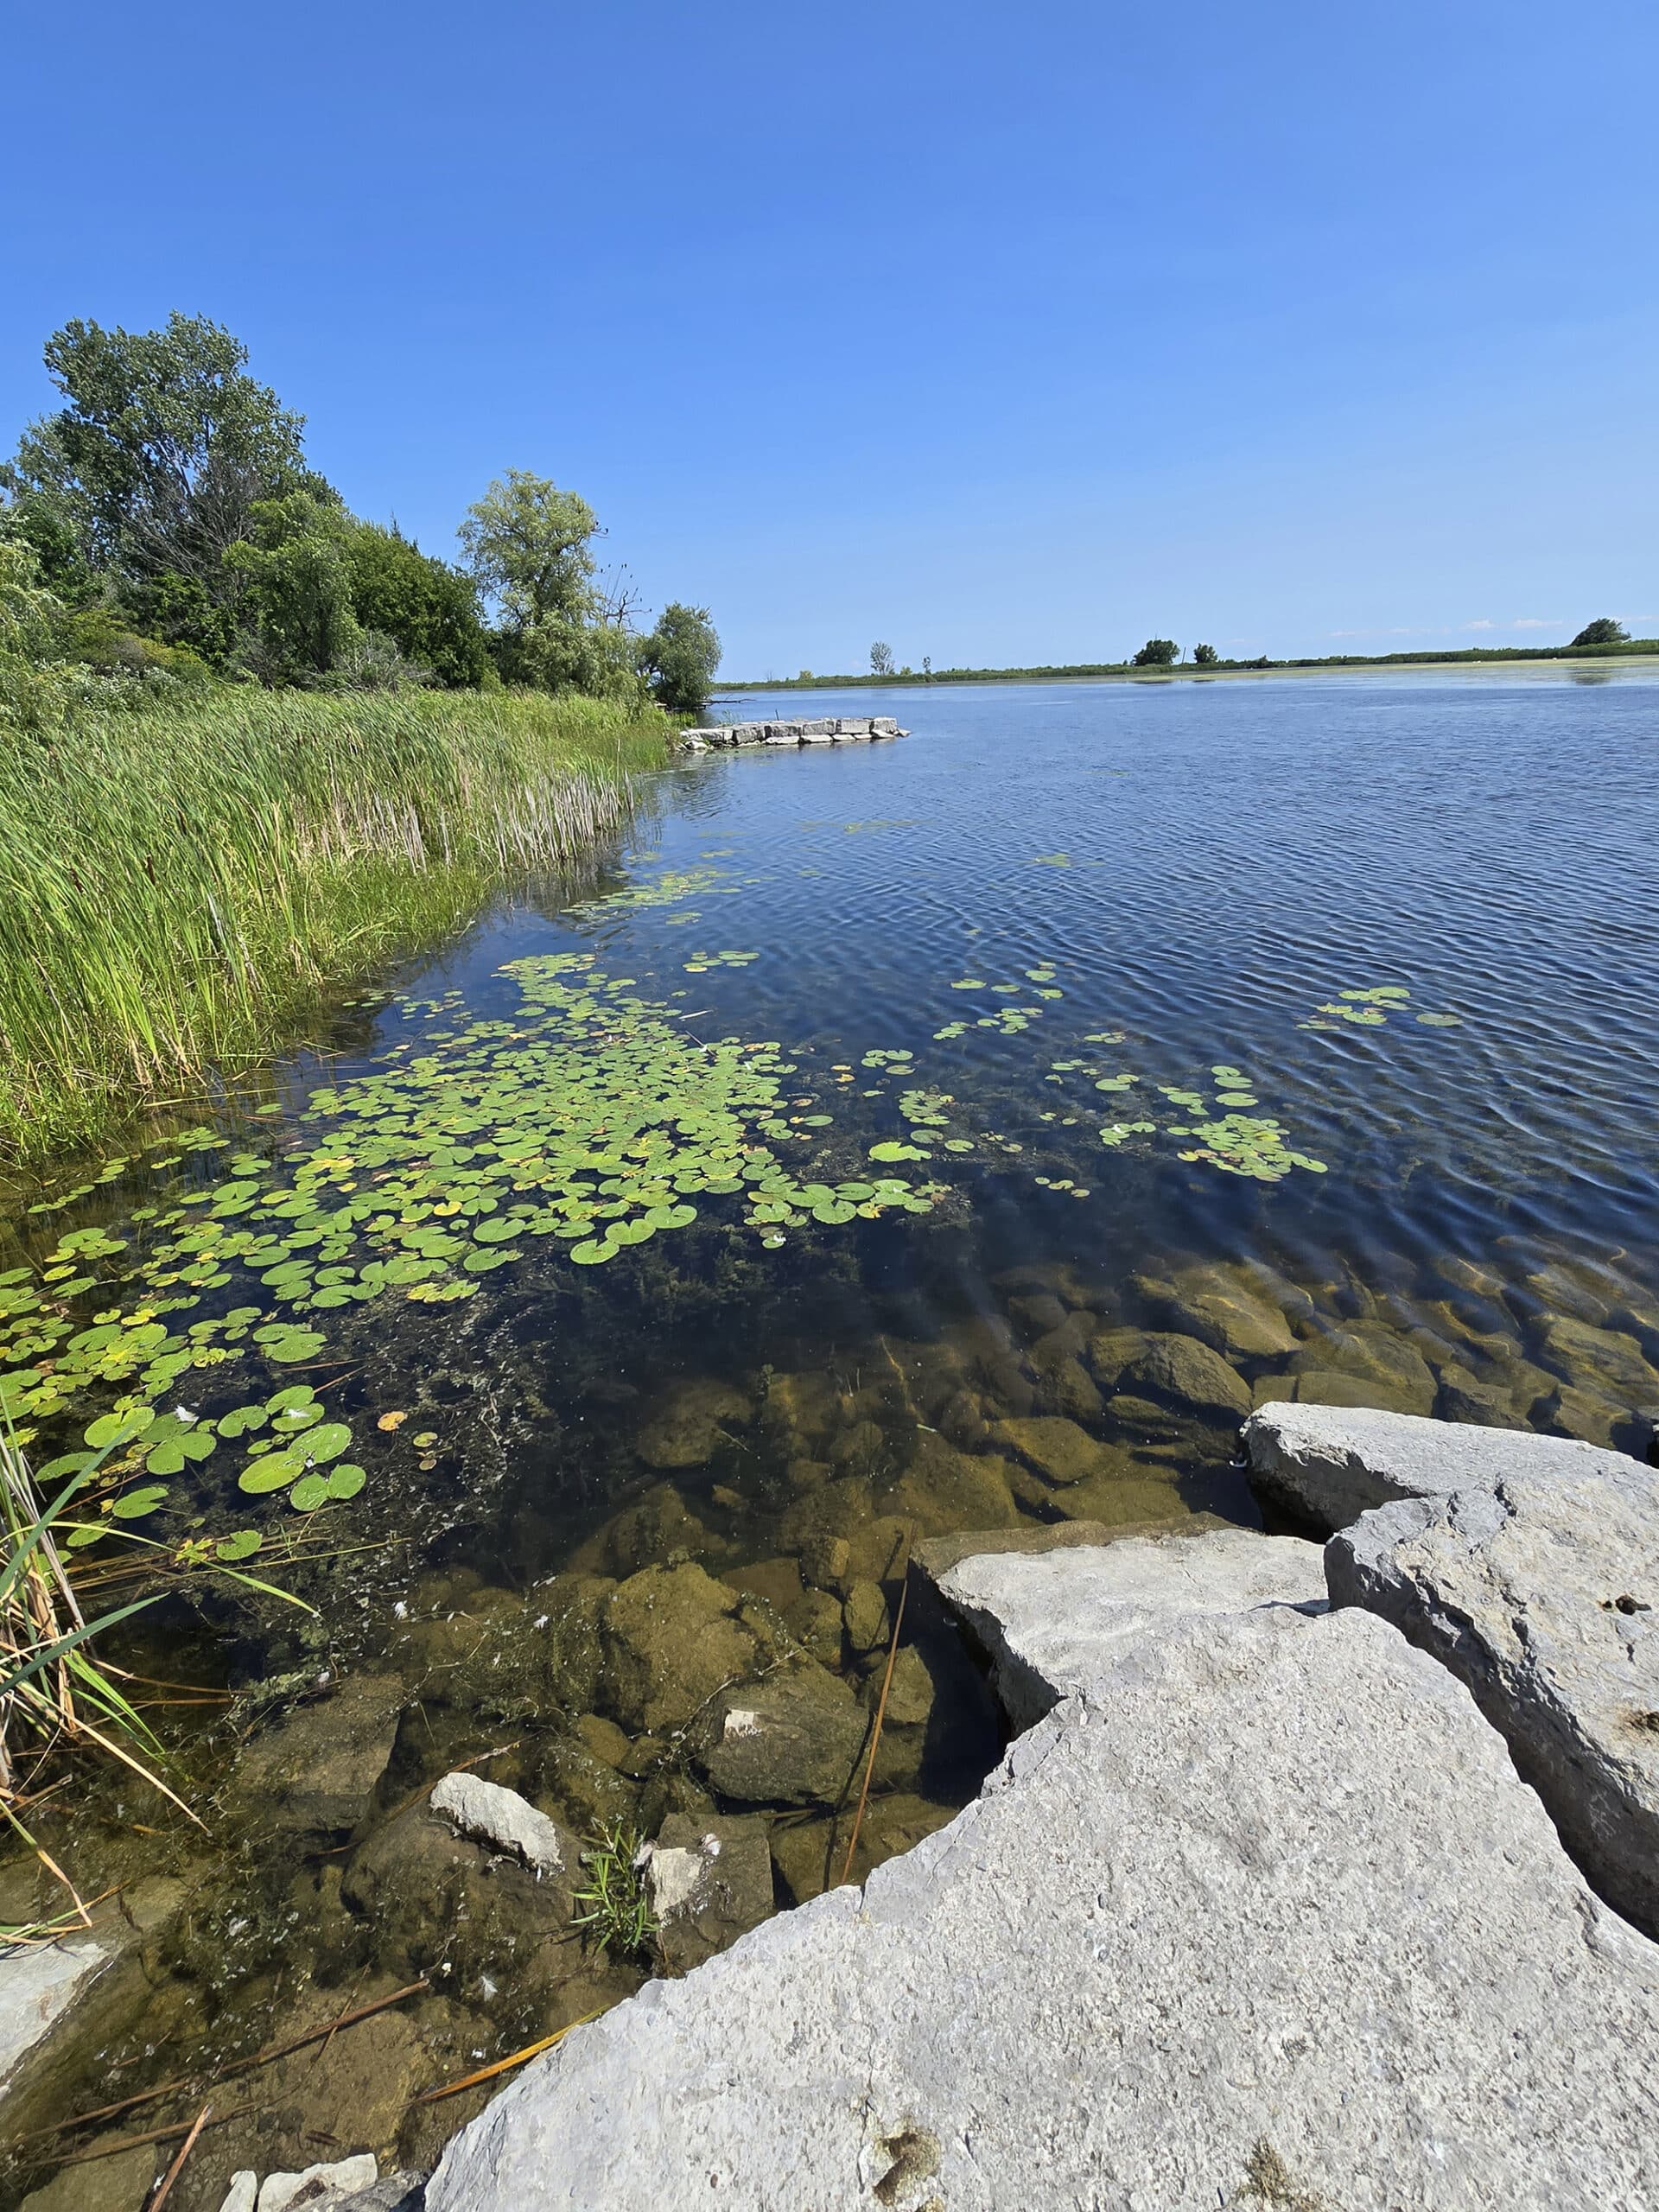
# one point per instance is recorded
(1328, 1465)
(1542, 1594)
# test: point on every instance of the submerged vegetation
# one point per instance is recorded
(179, 884)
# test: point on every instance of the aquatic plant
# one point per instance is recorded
(179, 884)
(1369, 1008)
(617, 1920)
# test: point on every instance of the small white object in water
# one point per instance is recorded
(184, 1413)
(740, 1721)
(400, 1611)
(543, 1619)
(486, 1988)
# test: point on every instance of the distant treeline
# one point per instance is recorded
(1473, 654)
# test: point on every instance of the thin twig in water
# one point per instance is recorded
(876, 1734)
(185, 2149)
(503, 2065)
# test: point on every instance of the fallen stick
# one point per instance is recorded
(875, 1734)
(503, 2065)
(159, 2135)
(223, 2073)
(173, 2171)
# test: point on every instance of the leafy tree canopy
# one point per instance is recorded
(881, 659)
(428, 609)
(1158, 652)
(1205, 656)
(529, 545)
(680, 657)
(1603, 631)
(153, 467)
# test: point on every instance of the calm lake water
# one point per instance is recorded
(1303, 1027)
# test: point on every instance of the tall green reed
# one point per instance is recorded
(179, 884)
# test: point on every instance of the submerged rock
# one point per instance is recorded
(1224, 1308)
(1608, 1362)
(792, 1739)
(318, 1770)
(709, 1881)
(944, 1489)
(672, 1637)
(1189, 1375)
(692, 1423)
(1542, 1593)
(1371, 1359)
(1058, 1450)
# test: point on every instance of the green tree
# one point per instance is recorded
(153, 465)
(529, 547)
(428, 609)
(881, 659)
(1205, 656)
(1158, 652)
(1603, 631)
(295, 568)
(680, 657)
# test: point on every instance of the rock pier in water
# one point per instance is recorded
(829, 729)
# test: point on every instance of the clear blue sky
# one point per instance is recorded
(1007, 333)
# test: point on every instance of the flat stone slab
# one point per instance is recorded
(832, 729)
(1542, 1595)
(1330, 1463)
(38, 1983)
(1267, 1908)
(1051, 1622)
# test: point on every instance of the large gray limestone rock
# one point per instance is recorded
(1541, 1594)
(1266, 1909)
(1328, 1464)
(1051, 1622)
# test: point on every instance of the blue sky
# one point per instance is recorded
(1005, 334)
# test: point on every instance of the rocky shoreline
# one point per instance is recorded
(1257, 1912)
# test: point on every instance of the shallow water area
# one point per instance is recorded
(961, 1131)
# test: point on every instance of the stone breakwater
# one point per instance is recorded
(830, 729)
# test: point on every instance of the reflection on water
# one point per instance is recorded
(959, 1134)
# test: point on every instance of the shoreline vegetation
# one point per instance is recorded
(186, 882)
(1130, 671)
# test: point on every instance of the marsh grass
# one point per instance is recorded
(181, 886)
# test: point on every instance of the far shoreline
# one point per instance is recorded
(1594, 658)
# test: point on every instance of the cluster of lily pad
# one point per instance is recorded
(594, 1118)
(1369, 1008)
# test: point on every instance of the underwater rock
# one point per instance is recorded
(1542, 1593)
(1056, 1449)
(691, 1424)
(38, 1983)
(1586, 1415)
(504, 1820)
(860, 1449)
(317, 1771)
(1188, 1373)
(1038, 1314)
(1223, 1309)
(805, 1407)
(709, 1882)
(1606, 1362)
(114, 2184)
(657, 1529)
(1399, 1378)
(911, 1690)
(944, 1489)
(809, 1854)
(672, 1636)
(827, 1561)
(587, 1787)
(1110, 1351)
(776, 1582)
(1120, 1499)
(1465, 1397)
(962, 1420)
(815, 1621)
(603, 1738)
(867, 1620)
(431, 1898)
(792, 1739)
